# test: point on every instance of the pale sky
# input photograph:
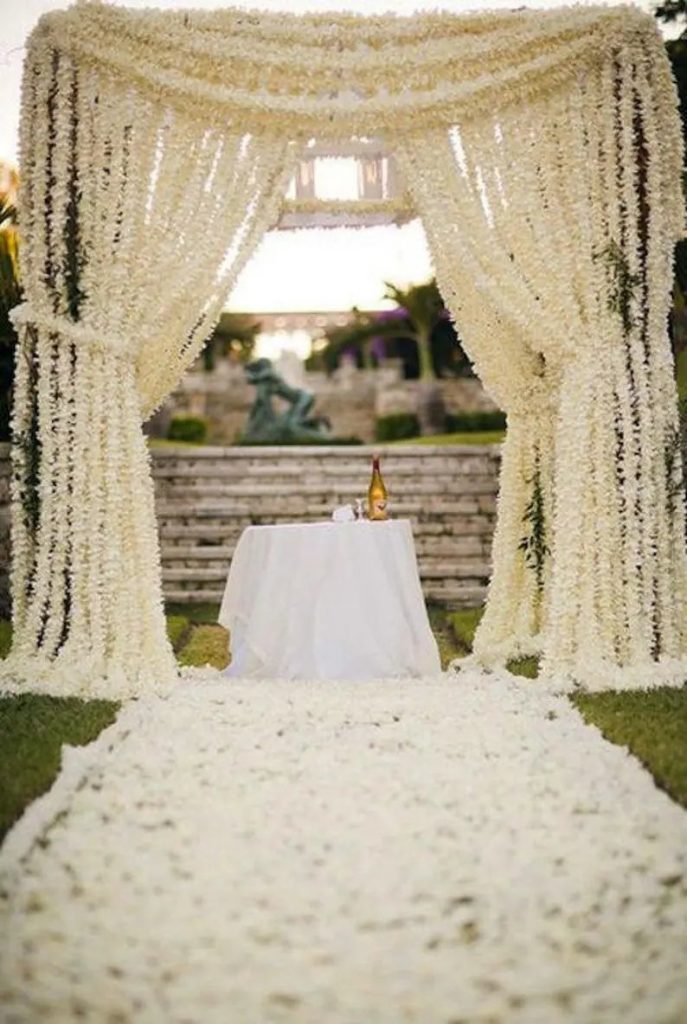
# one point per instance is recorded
(304, 270)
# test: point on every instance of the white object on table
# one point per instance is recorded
(328, 601)
(343, 514)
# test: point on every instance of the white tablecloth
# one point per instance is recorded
(327, 601)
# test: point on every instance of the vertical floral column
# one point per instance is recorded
(136, 219)
(619, 572)
(88, 612)
(516, 612)
(475, 275)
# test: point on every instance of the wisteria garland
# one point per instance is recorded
(543, 152)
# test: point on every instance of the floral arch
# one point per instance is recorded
(543, 153)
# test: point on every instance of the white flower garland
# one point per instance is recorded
(543, 152)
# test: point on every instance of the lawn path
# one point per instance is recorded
(440, 852)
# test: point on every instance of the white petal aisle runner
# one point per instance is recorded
(439, 851)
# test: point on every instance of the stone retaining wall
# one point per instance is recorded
(351, 399)
(206, 496)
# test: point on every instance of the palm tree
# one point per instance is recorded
(425, 309)
(358, 335)
(419, 316)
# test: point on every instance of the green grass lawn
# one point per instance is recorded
(163, 442)
(34, 728)
(465, 437)
(652, 725)
(32, 731)
(681, 375)
(178, 630)
(194, 613)
(207, 645)
(5, 638)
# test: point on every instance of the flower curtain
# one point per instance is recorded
(552, 225)
(138, 219)
(542, 151)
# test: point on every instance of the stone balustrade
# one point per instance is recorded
(351, 399)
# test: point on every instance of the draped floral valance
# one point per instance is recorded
(338, 74)
(543, 152)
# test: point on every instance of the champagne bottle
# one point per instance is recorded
(376, 495)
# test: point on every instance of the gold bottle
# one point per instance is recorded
(376, 495)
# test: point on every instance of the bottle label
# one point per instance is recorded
(378, 509)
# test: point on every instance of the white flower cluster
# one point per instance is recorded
(436, 851)
(543, 152)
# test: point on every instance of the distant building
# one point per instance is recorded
(353, 183)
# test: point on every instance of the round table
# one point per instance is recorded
(327, 601)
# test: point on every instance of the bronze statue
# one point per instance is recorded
(267, 426)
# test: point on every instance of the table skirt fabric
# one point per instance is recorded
(328, 601)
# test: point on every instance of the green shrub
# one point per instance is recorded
(191, 429)
(397, 426)
(326, 439)
(459, 422)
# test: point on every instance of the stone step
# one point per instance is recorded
(456, 595)
(445, 468)
(205, 498)
(243, 491)
(467, 595)
(435, 547)
(299, 508)
(175, 595)
(351, 455)
(203, 553)
(467, 568)
(230, 527)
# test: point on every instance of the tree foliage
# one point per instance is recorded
(10, 295)
(675, 12)
(417, 330)
(233, 337)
